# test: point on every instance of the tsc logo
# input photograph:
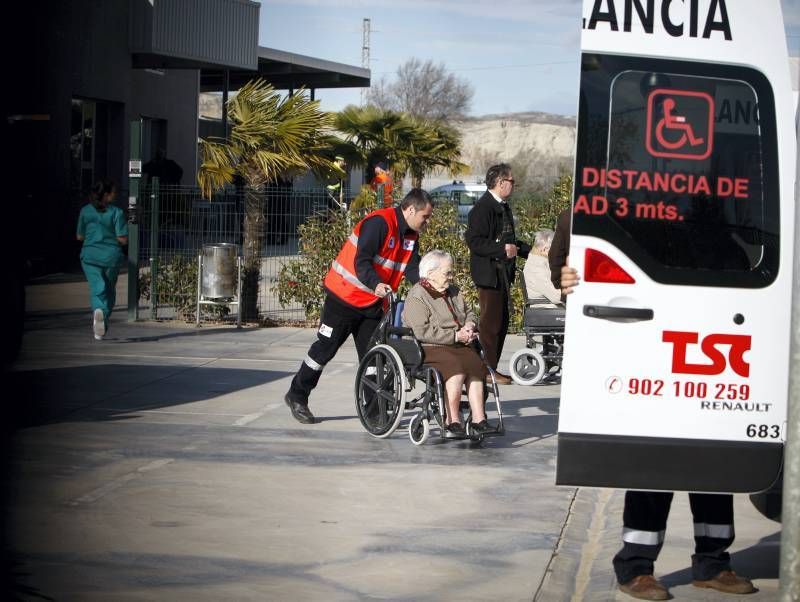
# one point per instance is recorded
(739, 344)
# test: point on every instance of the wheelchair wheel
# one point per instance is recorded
(419, 429)
(380, 391)
(527, 367)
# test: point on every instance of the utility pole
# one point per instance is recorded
(790, 504)
(365, 30)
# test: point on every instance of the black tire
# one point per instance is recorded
(380, 391)
(419, 429)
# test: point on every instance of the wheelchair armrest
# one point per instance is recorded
(400, 331)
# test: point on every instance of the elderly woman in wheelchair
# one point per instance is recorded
(437, 313)
(439, 347)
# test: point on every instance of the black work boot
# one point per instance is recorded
(299, 410)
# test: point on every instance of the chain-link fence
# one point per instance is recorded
(176, 221)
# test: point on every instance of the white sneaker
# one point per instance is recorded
(98, 324)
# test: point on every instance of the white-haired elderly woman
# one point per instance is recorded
(537, 270)
(437, 313)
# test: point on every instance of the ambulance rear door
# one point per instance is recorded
(676, 344)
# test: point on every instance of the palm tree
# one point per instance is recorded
(271, 137)
(433, 146)
(411, 145)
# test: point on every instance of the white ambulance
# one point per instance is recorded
(677, 338)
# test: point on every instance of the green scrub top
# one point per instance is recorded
(100, 232)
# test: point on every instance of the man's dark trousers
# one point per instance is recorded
(494, 322)
(645, 521)
(337, 322)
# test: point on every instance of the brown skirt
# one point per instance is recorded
(456, 359)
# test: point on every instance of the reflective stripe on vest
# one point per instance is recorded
(379, 261)
(339, 269)
(390, 263)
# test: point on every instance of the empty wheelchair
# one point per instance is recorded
(385, 387)
(543, 325)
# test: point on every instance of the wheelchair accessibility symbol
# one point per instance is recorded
(680, 124)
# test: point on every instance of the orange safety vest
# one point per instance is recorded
(386, 180)
(390, 263)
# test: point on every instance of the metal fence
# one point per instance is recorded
(175, 222)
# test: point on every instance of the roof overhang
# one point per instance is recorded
(288, 71)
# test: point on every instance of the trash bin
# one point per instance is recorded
(219, 273)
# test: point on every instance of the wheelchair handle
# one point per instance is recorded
(607, 312)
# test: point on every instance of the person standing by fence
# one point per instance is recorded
(103, 229)
(382, 176)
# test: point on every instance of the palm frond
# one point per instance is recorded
(217, 168)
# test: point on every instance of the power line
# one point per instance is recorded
(514, 66)
(497, 67)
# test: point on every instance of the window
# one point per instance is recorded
(677, 167)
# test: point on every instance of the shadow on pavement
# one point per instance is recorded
(112, 391)
(188, 333)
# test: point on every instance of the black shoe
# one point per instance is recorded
(482, 427)
(300, 411)
(455, 429)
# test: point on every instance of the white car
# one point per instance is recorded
(461, 194)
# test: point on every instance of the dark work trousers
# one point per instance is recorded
(494, 322)
(645, 521)
(337, 322)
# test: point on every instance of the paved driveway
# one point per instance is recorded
(162, 464)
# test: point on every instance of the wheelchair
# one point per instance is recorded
(385, 387)
(541, 357)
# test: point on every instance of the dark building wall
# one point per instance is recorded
(212, 32)
(174, 97)
(80, 49)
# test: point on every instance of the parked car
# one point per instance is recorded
(461, 194)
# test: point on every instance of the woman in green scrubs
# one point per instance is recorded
(103, 229)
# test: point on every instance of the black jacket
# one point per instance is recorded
(559, 249)
(486, 249)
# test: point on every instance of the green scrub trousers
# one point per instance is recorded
(102, 287)
(101, 255)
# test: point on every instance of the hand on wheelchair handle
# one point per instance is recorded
(383, 289)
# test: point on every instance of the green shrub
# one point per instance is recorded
(177, 288)
(365, 200)
(321, 237)
(323, 234)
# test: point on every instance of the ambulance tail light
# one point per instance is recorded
(599, 267)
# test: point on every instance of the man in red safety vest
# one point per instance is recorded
(382, 176)
(382, 248)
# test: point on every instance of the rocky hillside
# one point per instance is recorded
(538, 145)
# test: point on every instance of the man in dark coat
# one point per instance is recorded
(493, 248)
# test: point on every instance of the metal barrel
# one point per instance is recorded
(218, 280)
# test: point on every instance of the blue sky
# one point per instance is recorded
(519, 55)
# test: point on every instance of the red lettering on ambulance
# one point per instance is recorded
(739, 344)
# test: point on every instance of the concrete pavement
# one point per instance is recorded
(162, 464)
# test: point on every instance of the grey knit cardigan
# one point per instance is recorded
(429, 318)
